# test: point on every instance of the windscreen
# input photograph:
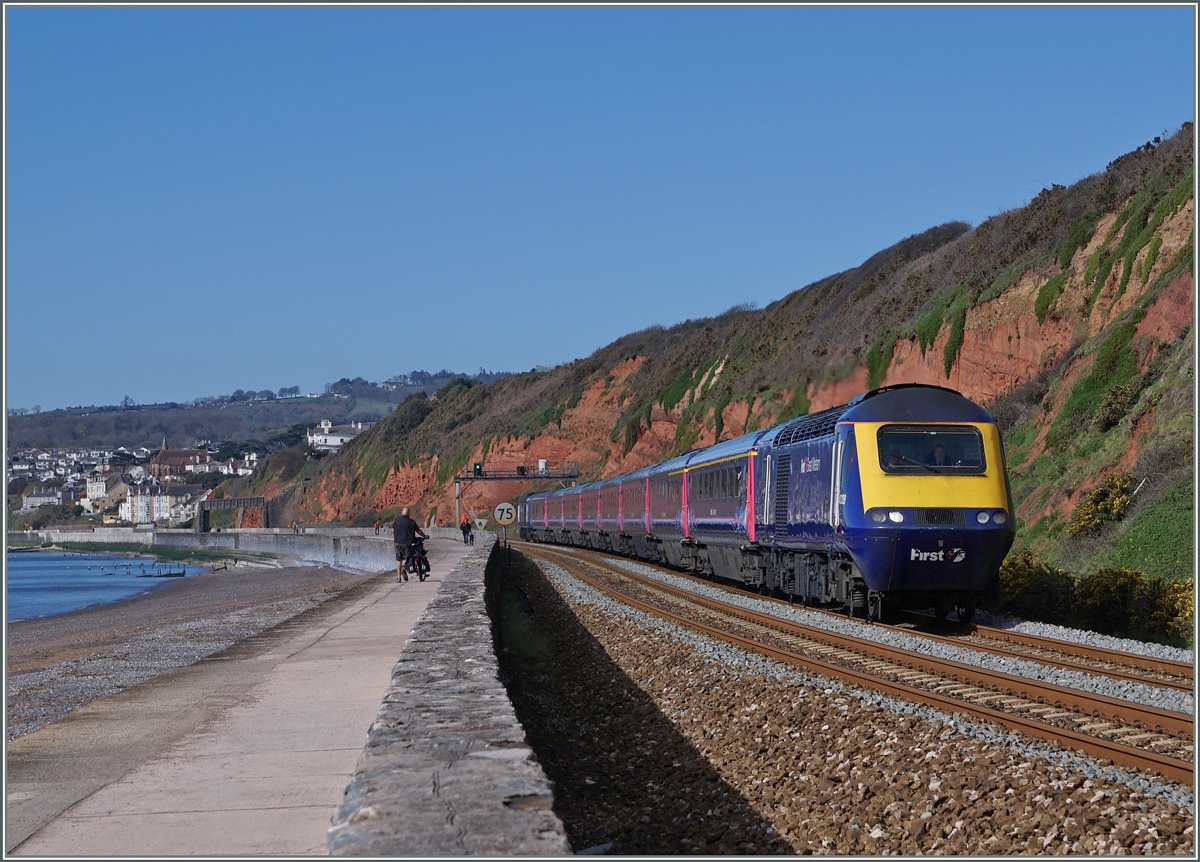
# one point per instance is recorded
(922, 449)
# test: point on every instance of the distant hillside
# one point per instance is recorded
(1071, 316)
(241, 416)
(183, 425)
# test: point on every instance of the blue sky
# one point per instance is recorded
(200, 200)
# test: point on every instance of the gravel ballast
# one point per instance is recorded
(1083, 636)
(662, 741)
(1149, 695)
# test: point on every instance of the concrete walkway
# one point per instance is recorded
(246, 753)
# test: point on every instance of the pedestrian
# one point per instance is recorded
(404, 532)
(465, 526)
(377, 526)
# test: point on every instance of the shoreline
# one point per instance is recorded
(163, 582)
(59, 663)
(168, 553)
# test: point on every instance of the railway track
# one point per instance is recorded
(1128, 734)
(1114, 664)
(1082, 657)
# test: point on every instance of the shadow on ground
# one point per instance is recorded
(622, 773)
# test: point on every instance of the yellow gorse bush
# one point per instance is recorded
(1034, 590)
(1114, 601)
(1106, 502)
(1181, 599)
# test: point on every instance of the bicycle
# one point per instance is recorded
(418, 559)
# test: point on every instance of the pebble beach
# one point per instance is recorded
(60, 663)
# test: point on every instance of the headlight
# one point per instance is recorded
(1000, 517)
(983, 517)
(878, 516)
(896, 516)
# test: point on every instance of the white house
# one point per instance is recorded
(36, 497)
(328, 437)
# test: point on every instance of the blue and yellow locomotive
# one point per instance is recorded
(899, 497)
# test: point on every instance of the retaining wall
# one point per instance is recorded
(446, 770)
(362, 532)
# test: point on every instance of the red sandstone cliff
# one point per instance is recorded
(656, 392)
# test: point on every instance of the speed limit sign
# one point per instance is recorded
(505, 514)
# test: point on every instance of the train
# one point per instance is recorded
(898, 499)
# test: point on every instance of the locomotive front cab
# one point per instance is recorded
(935, 517)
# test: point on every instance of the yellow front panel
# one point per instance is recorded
(984, 491)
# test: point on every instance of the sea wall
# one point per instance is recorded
(103, 535)
(346, 548)
(361, 532)
(447, 770)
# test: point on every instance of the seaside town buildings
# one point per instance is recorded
(132, 486)
(176, 462)
(156, 504)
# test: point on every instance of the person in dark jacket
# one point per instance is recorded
(938, 457)
(404, 532)
(465, 526)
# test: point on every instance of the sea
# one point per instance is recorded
(41, 583)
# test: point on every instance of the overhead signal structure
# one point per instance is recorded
(567, 471)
